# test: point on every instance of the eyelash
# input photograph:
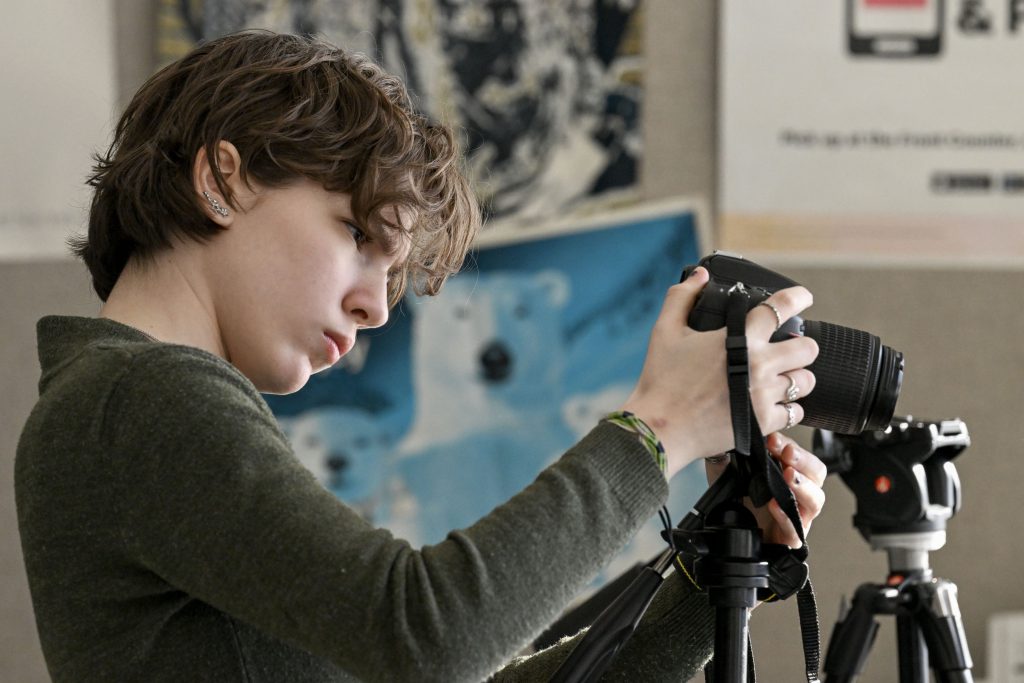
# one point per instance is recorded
(358, 234)
(362, 238)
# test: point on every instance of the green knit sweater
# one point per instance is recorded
(170, 534)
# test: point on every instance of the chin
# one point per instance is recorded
(288, 381)
(282, 391)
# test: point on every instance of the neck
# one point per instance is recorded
(164, 298)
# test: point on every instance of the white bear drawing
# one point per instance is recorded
(487, 373)
(348, 450)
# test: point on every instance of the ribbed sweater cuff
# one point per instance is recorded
(629, 469)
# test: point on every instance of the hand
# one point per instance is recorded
(683, 392)
(805, 475)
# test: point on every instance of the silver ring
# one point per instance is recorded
(778, 316)
(793, 391)
(791, 411)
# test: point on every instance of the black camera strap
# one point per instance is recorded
(767, 483)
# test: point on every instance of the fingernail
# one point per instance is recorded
(797, 480)
(696, 270)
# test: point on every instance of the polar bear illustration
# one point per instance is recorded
(487, 372)
(583, 411)
(347, 449)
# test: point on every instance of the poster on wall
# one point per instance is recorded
(58, 107)
(462, 399)
(547, 94)
(878, 130)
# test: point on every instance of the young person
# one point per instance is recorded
(264, 199)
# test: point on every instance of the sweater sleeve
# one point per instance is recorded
(673, 641)
(212, 500)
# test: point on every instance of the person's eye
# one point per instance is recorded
(358, 234)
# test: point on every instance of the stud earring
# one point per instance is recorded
(217, 208)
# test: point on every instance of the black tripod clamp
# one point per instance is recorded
(706, 536)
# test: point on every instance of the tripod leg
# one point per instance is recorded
(853, 635)
(732, 634)
(913, 655)
(943, 630)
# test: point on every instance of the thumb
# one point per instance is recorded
(681, 297)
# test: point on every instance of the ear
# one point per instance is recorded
(225, 193)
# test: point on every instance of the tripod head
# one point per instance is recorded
(904, 481)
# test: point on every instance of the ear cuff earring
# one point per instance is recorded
(215, 205)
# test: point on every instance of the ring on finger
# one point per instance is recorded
(791, 412)
(793, 392)
(778, 316)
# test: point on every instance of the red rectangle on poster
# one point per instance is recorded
(895, 3)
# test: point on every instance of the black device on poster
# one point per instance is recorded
(895, 28)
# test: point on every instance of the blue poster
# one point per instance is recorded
(463, 398)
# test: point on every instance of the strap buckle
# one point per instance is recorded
(736, 355)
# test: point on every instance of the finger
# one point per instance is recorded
(809, 497)
(775, 417)
(789, 415)
(680, 299)
(761, 320)
(787, 355)
(791, 454)
(784, 531)
(801, 381)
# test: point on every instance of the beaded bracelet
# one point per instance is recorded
(631, 423)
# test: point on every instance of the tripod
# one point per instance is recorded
(906, 488)
(928, 623)
(731, 563)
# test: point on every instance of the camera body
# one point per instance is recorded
(858, 378)
(726, 270)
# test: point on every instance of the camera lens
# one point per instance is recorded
(858, 380)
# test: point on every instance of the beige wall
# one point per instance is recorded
(960, 331)
(27, 292)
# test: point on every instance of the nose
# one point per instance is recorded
(367, 302)
(496, 362)
(337, 465)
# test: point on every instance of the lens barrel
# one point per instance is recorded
(858, 380)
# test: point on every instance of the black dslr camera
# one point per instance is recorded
(858, 378)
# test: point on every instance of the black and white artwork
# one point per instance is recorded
(547, 94)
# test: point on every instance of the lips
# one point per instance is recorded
(338, 345)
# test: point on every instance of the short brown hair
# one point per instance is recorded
(294, 107)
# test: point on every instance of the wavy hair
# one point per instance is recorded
(294, 107)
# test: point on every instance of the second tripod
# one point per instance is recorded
(906, 489)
